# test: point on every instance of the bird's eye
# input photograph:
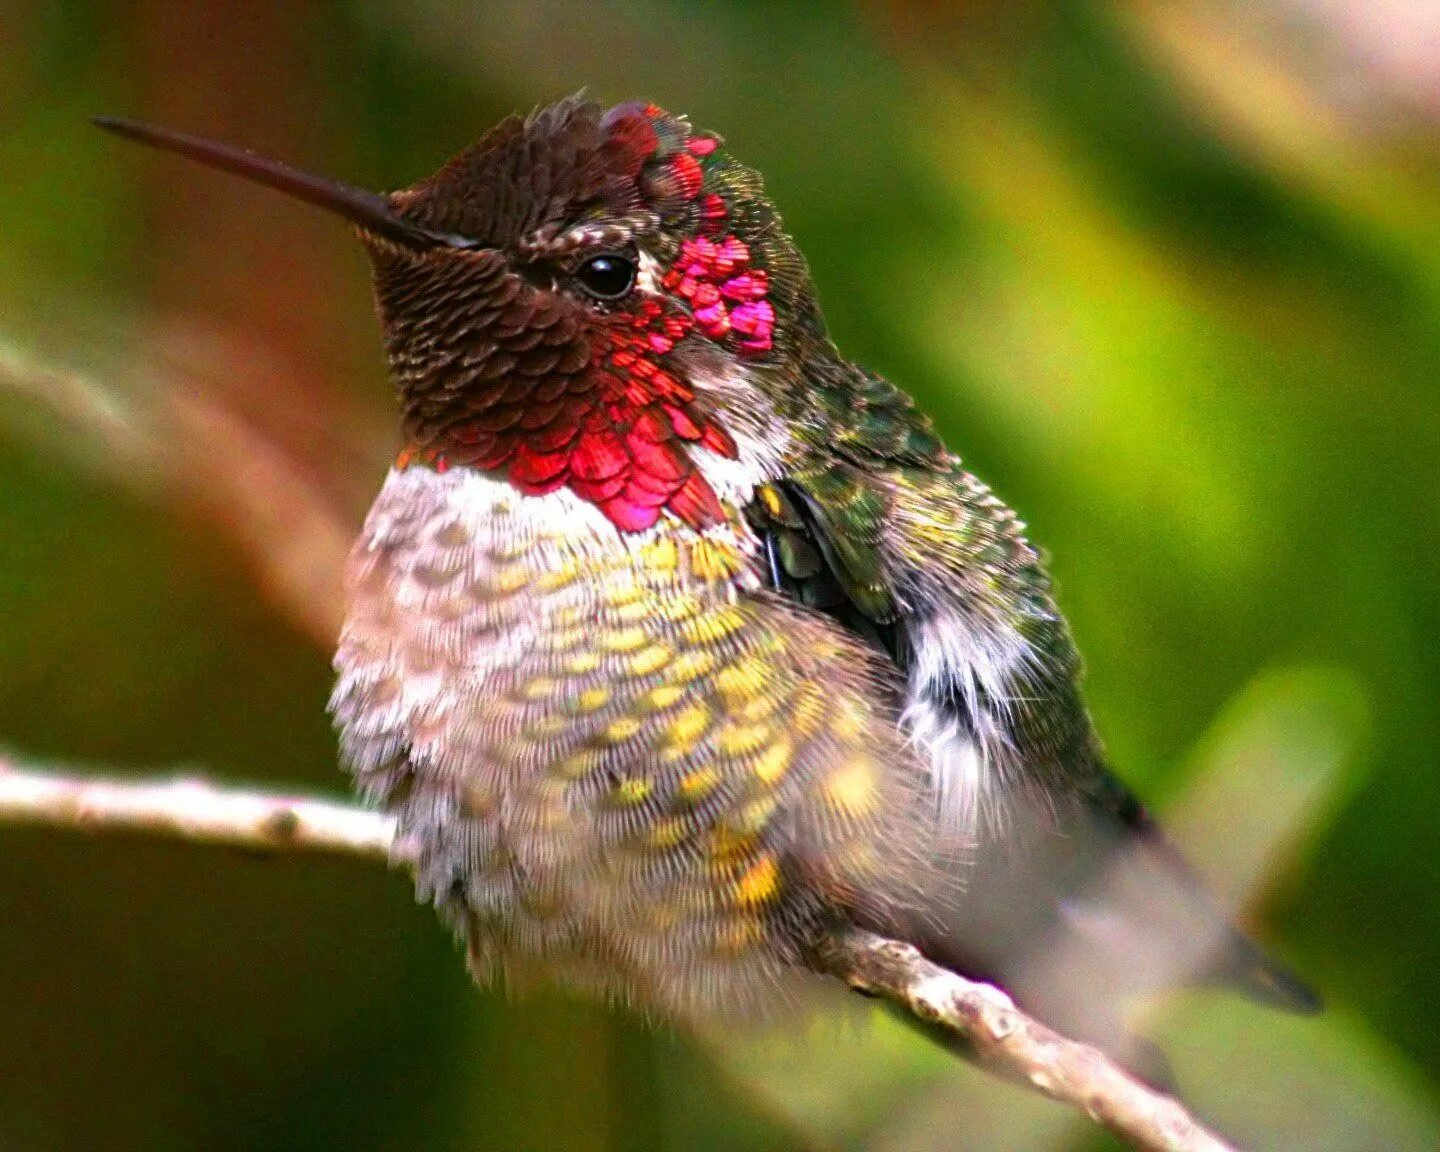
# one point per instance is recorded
(607, 277)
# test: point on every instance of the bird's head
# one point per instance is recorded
(596, 300)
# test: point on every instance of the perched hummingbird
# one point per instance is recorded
(677, 641)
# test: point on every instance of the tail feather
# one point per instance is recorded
(1247, 970)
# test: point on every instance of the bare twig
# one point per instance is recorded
(1008, 1041)
(1002, 1036)
(191, 809)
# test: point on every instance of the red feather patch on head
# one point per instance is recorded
(559, 400)
(616, 433)
(713, 273)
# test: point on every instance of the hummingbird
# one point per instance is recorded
(677, 642)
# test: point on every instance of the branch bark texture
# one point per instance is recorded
(192, 809)
(1001, 1036)
(1014, 1044)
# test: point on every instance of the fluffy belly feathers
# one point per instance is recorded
(621, 765)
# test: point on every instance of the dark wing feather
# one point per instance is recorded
(803, 562)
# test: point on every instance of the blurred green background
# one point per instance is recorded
(1168, 275)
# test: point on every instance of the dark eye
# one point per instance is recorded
(609, 277)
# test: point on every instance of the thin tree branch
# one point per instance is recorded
(192, 809)
(1001, 1036)
(1006, 1040)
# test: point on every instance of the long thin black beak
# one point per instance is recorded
(369, 210)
